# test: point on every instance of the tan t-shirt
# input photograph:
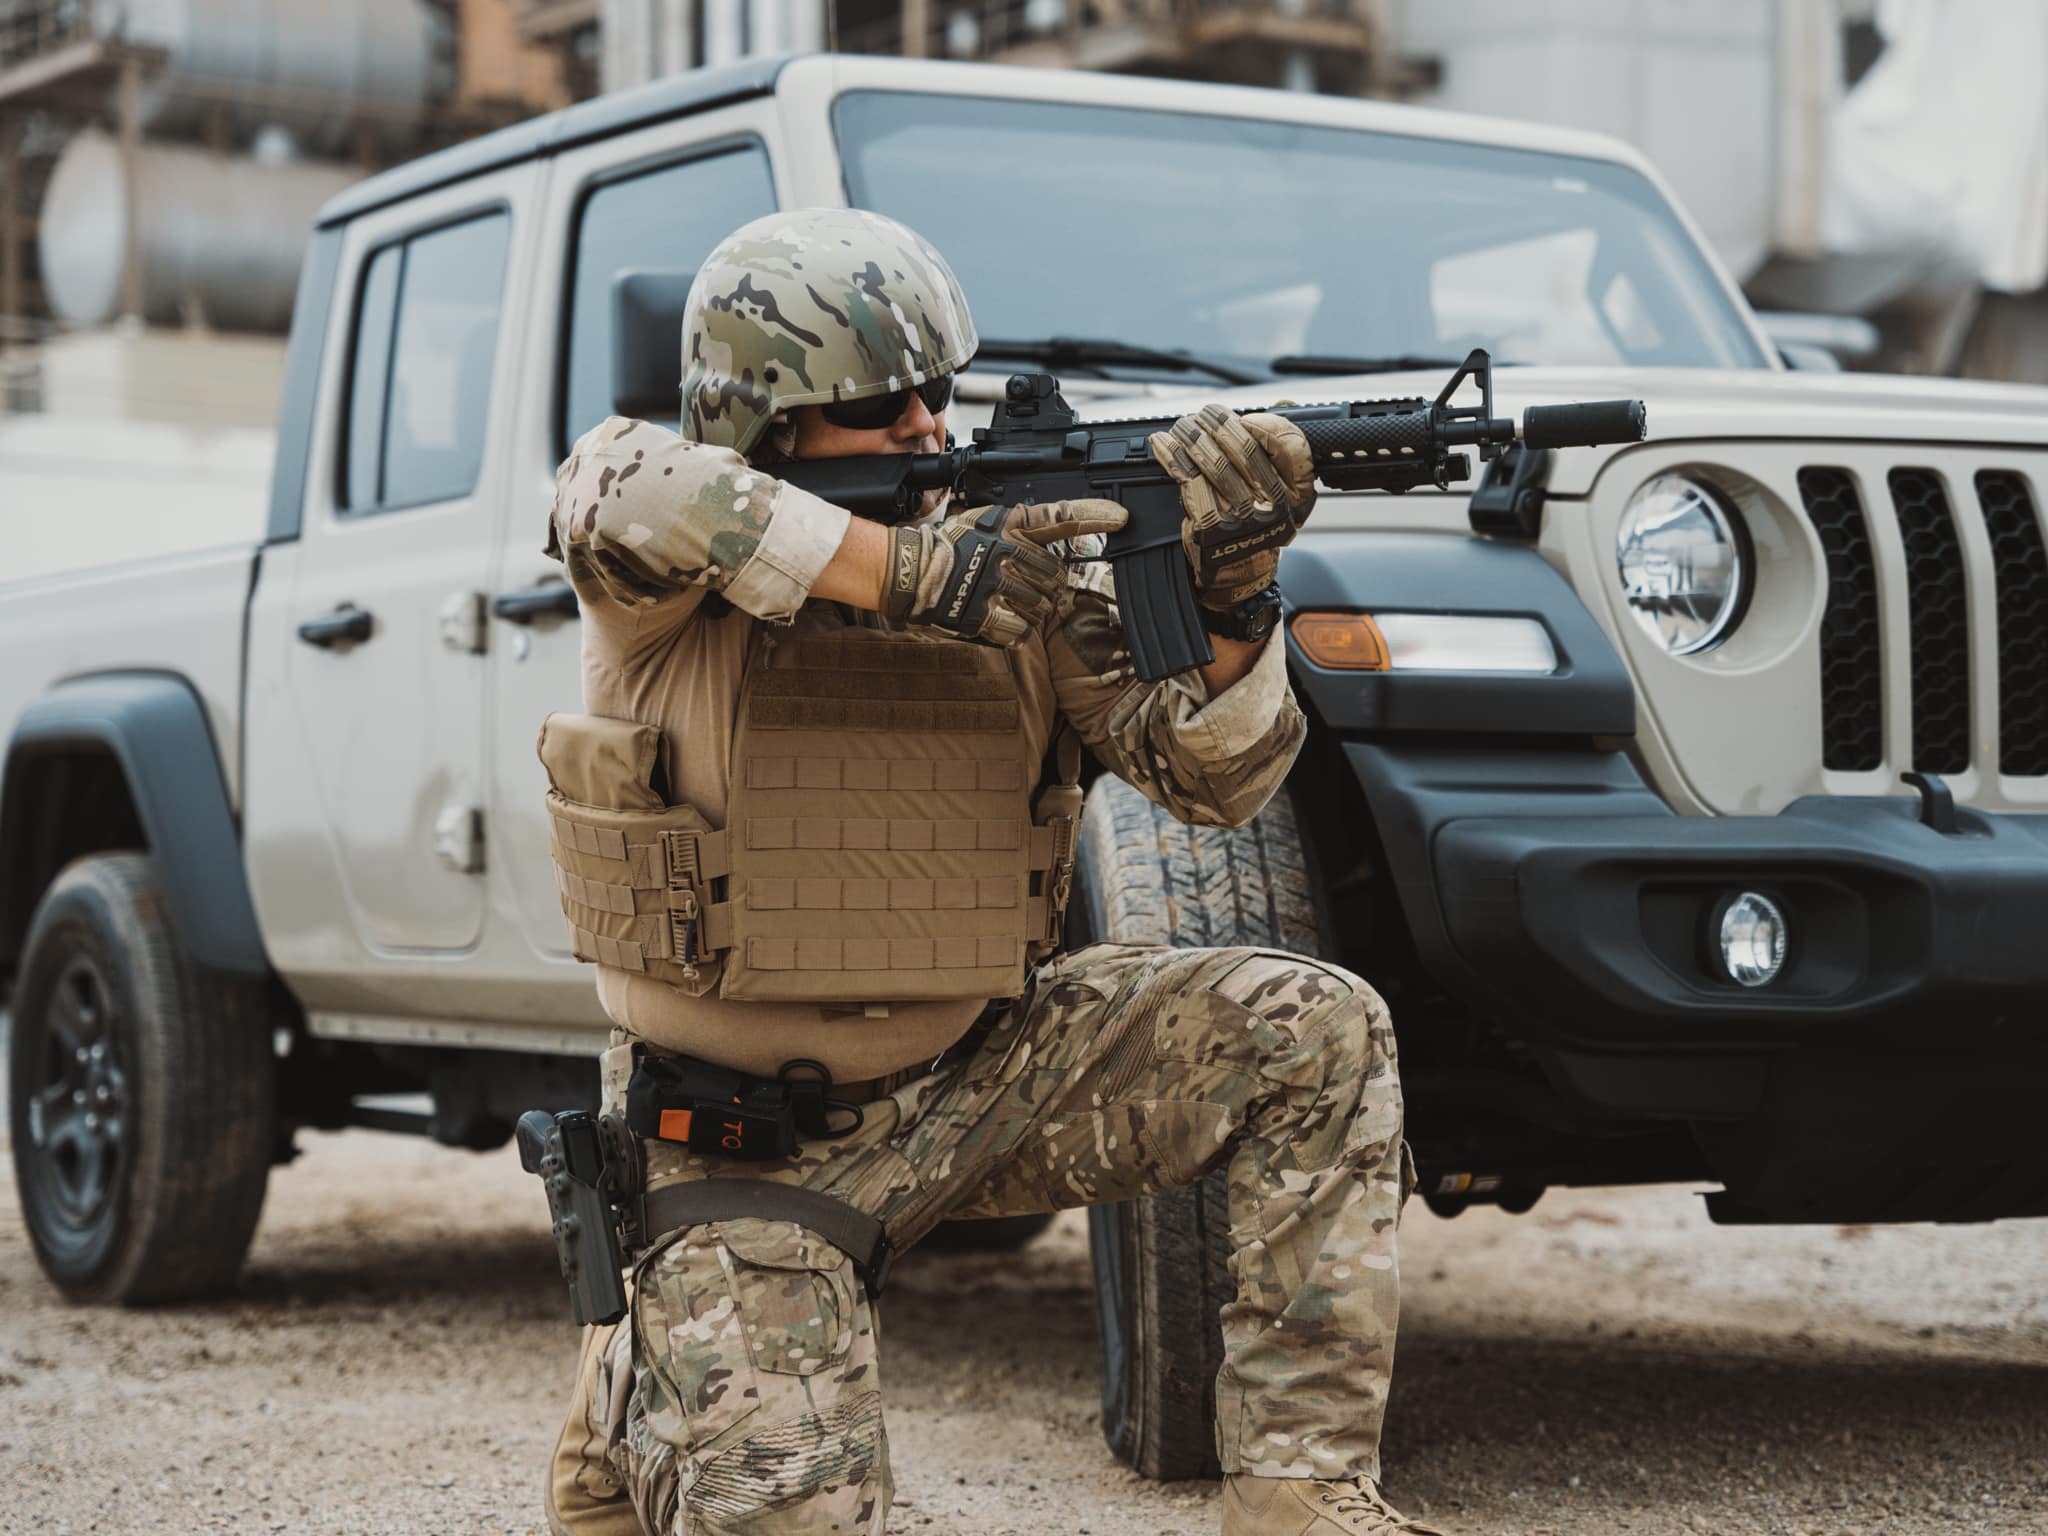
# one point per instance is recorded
(650, 527)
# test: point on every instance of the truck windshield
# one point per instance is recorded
(1248, 241)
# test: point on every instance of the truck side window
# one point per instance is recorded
(420, 386)
(661, 220)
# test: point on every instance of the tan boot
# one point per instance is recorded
(584, 1497)
(1294, 1506)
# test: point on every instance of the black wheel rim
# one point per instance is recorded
(79, 1108)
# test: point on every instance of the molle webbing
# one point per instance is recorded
(907, 686)
(880, 832)
(918, 775)
(635, 887)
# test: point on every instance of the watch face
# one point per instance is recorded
(1258, 623)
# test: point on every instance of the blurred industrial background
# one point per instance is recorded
(1878, 165)
(1878, 168)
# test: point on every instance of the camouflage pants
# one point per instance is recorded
(744, 1395)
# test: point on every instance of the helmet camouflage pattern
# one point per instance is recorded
(811, 305)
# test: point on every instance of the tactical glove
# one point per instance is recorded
(986, 574)
(1246, 486)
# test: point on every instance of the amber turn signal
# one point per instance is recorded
(1344, 642)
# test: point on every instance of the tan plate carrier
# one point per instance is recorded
(880, 843)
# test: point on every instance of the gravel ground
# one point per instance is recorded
(396, 1357)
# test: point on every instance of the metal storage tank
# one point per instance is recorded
(226, 232)
(320, 66)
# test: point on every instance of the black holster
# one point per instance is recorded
(585, 1171)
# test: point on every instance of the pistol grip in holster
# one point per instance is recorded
(567, 1151)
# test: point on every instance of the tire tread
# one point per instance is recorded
(1149, 879)
(204, 1085)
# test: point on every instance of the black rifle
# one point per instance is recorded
(585, 1185)
(1037, 449)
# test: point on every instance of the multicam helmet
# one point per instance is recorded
(811, 305)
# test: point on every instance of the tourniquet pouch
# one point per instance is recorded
(879, 826)
(630, 868)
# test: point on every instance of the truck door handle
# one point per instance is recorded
(554, 599)
(344, 626)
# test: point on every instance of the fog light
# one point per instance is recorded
(1750, 931)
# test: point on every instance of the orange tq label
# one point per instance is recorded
(675, 1125)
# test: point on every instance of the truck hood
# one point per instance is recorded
(1703, 404)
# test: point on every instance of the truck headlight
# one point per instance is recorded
(1681, 548)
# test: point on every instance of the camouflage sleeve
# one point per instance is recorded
(641, 514)
(1213, 762)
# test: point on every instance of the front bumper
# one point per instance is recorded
(1893, 1071)
(1557, 889)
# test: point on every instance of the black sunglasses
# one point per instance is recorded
(870, 413)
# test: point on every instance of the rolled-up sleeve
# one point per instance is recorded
(1209, 761)
(641, 514)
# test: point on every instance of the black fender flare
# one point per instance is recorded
(1590, 693)
(154, 727)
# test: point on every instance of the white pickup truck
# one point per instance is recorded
(1603, 788)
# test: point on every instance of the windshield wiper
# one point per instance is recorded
(1317, 362)
(1092, 352)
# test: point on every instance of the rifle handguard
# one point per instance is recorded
(1394, 434)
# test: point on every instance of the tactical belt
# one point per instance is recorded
(869, 1089)
(696, 1201)
(722, 1112)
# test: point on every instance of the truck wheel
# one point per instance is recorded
(1161, 1265)
(139, 1095)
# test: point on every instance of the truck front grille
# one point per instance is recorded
(1937, 589)
(1852, 708)
(1938, 613)
(2022, 563)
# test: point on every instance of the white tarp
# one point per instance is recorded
(1942, 148)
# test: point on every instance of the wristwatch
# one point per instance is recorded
(1250, 620)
